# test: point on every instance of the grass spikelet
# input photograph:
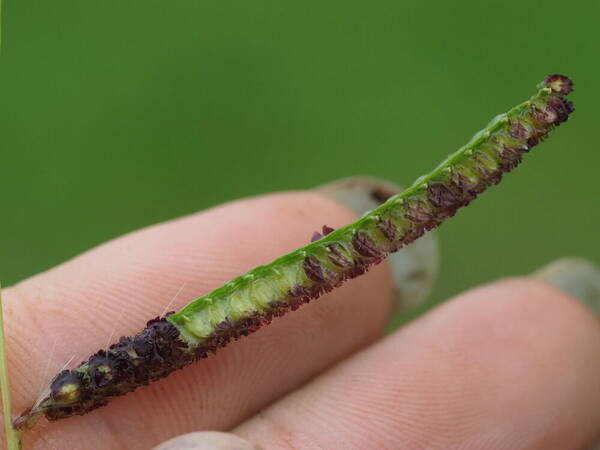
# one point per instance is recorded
(252, 300)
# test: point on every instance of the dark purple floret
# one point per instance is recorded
(559, 84)
(545, 114)
(468, 189)
(510, 158)
(418, 212)
(562, 108)
(569, 105)
(99, 369)
(124, 342)
(388, 229)
(445, 200)
(520, 131)
(441, 196)
(122, 366)
(312, 268)
(364, 245)
(336, 256)
(110, 368)
(327, 230)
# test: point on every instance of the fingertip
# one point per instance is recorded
(207, 440)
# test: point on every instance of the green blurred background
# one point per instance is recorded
(116, 115)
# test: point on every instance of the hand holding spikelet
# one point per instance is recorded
(252, 300)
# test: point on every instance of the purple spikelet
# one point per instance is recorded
(150, 355)
(325, 231)
(313, 270)
(316, 236)
(337, 257)
(365, 245)
(559, 84)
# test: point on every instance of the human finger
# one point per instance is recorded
(513, 365)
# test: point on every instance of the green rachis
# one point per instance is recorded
(252, 300)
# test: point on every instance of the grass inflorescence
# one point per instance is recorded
(252, 300)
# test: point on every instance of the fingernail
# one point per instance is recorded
(579, 277)
(414, 267)
(207, 440)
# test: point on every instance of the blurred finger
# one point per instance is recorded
(207, 440)
(512, 365)
(577, 276)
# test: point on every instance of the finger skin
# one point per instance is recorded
(116, 288)
(207, 440)
(508, 366)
